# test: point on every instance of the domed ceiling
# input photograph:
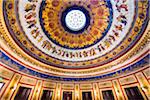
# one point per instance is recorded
(73, 40)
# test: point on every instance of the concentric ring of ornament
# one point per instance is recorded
(107, 43)
(54, 26)
(113, 45)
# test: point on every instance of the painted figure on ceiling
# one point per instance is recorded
(29, 7)
(122, 19)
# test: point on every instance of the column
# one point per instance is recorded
(37, 90)
(77, 92)
(118, 90)
(11, 87)
(58, 92)
(145, 86)
(96, 91)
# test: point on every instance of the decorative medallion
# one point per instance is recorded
(75, 23)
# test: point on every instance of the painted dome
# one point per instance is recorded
(75, 39)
